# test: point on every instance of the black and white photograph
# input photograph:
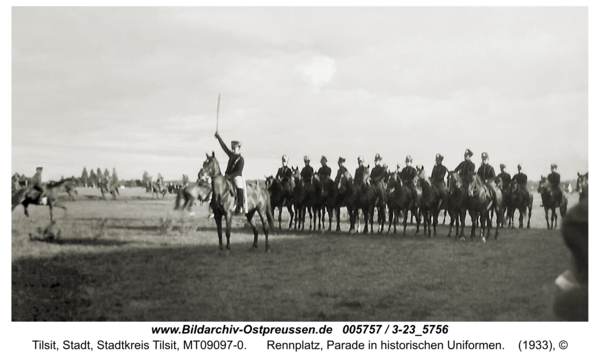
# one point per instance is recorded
(214, 166)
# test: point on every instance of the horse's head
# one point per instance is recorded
(582, 184)
(543, 184)
(210, 167)
(475, 185)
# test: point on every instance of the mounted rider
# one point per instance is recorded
(307, 172)
(235, 166)
(284, 173)
(438, 182)
(342, 171)
(505, 177)
(487, 174)
(361, 170)
(407, 175)
(378, 174)
(324, 172)
(554, 180)
(521, 180)
(35, 183)
(466, 168)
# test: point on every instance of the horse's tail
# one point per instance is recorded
(269, 211)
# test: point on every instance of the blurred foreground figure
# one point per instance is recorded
(571, 287)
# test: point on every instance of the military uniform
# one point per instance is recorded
(438, 174)
(407, 175)
(307, 172)
(554, 180)
(235, 166)
(324, 171)
(378, 174)
(284, 174)
(521, 180)
(359, 173)
(505, 177)
(342, 170)
(487, 174)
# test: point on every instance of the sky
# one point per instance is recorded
(137, 88)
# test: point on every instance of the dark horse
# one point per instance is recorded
(109, 188)
(582, 186)
(27, 196)
(344, 193)
(324, 200)
(281, 193)
(482, 203)
(303, 194)
(429, 205)
(365, 200)
(224, 202)
(200, 190)
(397, 199)
(458, 203)
(158, 189)
(551, 199)
(518, 199)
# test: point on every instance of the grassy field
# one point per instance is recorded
(135, 259)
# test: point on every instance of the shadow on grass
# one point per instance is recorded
(86, 241)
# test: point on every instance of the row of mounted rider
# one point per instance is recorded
(504, 192)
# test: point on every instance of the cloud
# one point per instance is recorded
(319, 71)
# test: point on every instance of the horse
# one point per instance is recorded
(344, 197)
(281, 193)
(108, 188)
(397, 199)
(224, 203)
(582, 186)
(27, 196)
(365, 200)
(324, 200)
(303, 199)
(458, 203)
(517, 200)
(158, 189)
(550, 201)
(429, 205)
(200, 190)
(482, 203)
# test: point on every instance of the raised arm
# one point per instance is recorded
(223, 145)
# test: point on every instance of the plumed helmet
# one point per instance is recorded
(377, 157)
(361, 159)
(439, 157)
(519, 166)
(484, 156)
(284, 158)
(502, 165)
(408, 159)
(306, 158)
(323, 158)
(553, 166)
(235, 144)
(342, 160)
(468, 153)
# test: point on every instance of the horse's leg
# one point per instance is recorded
(529, 208)
(291, 212)
(249, 216)
(218, 217)
(280, 207)
(265, 229)
(228, 220)
(547, 221)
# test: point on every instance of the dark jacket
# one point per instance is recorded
(377, 173)
(520, 178)
(307, 173)
(554, 179)
(438, 173)
(235, 166)
(284, 173)
(465, 167)
(486, 172)
(324, 171)
(407, 174)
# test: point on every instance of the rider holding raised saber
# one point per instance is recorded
(235, 166)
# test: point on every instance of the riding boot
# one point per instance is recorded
(240, 201)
